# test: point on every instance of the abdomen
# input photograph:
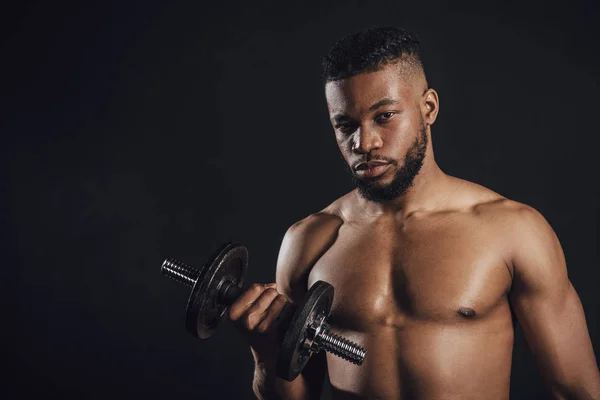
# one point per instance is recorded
(429, 360)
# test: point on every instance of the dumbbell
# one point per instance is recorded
(219, 283)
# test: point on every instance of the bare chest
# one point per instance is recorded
(390, 274)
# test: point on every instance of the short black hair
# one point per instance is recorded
(369, 51)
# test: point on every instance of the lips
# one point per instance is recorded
(371, 169)
(370, 164)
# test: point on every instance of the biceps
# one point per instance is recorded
(556, 331)
(538, 305)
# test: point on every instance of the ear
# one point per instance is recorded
(430, 106)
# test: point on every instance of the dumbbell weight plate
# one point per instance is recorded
(292, 357)
(204, 312)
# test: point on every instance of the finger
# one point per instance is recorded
(273, 316)
(245, 300)
(286, 315)
(257, 311)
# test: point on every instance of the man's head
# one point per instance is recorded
(380, 108)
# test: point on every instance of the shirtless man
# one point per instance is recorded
(428, 269)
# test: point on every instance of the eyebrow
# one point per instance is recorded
(380, 103)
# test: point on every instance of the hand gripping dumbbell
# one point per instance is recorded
(218, 285)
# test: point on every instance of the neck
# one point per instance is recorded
(429, 191)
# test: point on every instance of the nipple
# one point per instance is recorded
(467, 312)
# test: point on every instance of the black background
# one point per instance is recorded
(133, 131)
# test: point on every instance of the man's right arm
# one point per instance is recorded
(302, 246)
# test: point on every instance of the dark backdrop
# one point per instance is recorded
(132, 131)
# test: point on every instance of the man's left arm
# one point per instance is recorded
(550, 312)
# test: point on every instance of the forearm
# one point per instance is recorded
(267, 386)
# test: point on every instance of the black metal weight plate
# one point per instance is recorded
(204, 312)
(292, 358)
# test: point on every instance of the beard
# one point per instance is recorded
(404, 177)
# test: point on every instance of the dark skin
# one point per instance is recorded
(426, 281)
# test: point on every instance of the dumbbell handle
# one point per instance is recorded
(182, 273)
(229, 292)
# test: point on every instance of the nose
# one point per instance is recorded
(366, 140)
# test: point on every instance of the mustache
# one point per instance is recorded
(375, 157)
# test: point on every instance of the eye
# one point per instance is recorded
(385, 116)
(345, 127)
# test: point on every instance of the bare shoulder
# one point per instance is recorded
(532, 246)
(302, 246)
(486, 203)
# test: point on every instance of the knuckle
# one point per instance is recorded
(248, 322)
(232, 314)
(262, 329)
(256, 287)
(271, 292)
(252, 319)
(282, 299)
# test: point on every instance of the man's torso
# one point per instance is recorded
(426, 296)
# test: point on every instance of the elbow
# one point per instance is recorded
(587, 390)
